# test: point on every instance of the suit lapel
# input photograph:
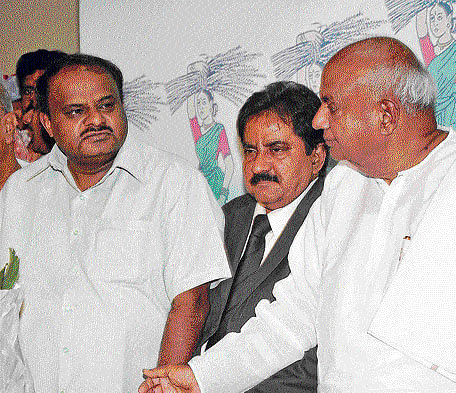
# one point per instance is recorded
(281, 247)
(237, 225)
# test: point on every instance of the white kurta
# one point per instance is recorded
(100, 268)
(346, 257)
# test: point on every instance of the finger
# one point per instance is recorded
(168, 387)
(143, 388)
(148, 384)
(159, 372)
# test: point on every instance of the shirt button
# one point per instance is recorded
(75, 232)
(82, 197)
(67, 308)
(65, 350)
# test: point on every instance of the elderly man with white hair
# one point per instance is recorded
(373, 267)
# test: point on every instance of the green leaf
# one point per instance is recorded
(12, 271)
(2, 275)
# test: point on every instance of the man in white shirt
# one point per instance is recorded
(117, 241)
(372, 269)
(284, 169)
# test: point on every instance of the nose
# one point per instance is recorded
(27, 118)
(261, 162)
(95, 117)
(320, 120)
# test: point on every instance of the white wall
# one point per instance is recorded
(160, 39)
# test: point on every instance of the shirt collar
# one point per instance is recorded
(278, 218)
(129, 158)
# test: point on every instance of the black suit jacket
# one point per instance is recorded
(300, 376)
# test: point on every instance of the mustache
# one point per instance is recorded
(263, 176)
(96, 129)
(30, 106)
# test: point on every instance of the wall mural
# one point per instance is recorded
(305, 60)
(141, 101)
(230, 75)
(435, 27)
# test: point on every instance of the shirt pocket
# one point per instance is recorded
(121, 252)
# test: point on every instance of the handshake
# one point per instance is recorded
(177, 378)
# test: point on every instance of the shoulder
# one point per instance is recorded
(342, 176)
(28, 174)
(153, 164)
(238, 203)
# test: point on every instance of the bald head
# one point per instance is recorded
(390, 66)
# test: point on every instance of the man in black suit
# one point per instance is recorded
(284, 166)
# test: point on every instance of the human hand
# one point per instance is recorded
(169, 379)
(202, 68)
(312, 36)
(8, 124)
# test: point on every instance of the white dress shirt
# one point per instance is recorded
(278, 219)
(101, 267)
(343, 262)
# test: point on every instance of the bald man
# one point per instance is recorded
(373, 272)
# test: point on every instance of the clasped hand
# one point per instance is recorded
(169, 379)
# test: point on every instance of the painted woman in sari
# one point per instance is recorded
(438, 47)
(310, 74)
(211, 143)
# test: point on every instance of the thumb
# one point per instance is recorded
(180, 376)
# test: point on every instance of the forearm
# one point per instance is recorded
(183, 327)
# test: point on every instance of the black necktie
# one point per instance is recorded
(249, 263)
(253, 254)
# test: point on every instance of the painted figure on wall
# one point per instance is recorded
(315, 46)
(211, 142)
(310, 74)
(435, 30)
(439, 55)
(228, 75)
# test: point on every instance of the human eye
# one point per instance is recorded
(73, 112)
(279, 149)
(332, 108)
(29, 90)
(107, 105)
(249, 151)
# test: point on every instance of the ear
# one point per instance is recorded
(318, 157)
(389, 116)
(214, 109)
(46, 123)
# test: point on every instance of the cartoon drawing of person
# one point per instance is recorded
(434, 27)
(310, 74)
(231, 76)
(314, 47)
(211, 142)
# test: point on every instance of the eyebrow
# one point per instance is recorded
(275, 143)
(77, 104)
(326, 99)
(108, 97)
(269, 144)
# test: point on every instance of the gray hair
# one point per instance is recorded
(5, 100)
(413, 86)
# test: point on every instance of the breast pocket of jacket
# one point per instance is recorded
(123, 252)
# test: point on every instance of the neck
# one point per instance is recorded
(207, 126)
(86, 176)
(445, 40)
(34, 155)
(412, 151)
